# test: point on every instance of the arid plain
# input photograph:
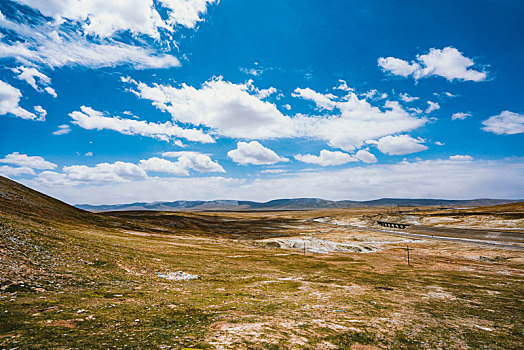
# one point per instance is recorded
(322, 279)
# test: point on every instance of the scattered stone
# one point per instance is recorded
(178, 276)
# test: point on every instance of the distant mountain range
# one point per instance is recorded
(291, 204)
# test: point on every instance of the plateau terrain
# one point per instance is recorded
(314, 279)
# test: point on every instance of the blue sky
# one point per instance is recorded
(112, 102)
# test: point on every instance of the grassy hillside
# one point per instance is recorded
(18, 201)
(71, 279)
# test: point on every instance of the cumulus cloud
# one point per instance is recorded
(397, 66)
(326, 158)
(506, 123)
(119, 171)
(254, 153)
(105, 172)
(90, 119)
(163, 166)
(51, 91)
(104, 18)
(9, 103)
(448, 62)
(38, 80)
(359, 121)
(186, 13)
(196, 161)
(366, 156)
(460, 116)
(62, 130)
(432, 106)
(23, 160)
(420, 179)
(400, 145)
(406, 98)
(343, 85)
(231, 110)
(9, 171)
(461, 158)
(265, 93)
(41, 112)
(323, 101)
(374, 94)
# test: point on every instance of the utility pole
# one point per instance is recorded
(407, 248)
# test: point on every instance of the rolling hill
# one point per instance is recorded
(291, 204)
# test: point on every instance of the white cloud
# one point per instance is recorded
(252, 71)
(438, 143)
(196, 161)
(90, 119)
(343, 86)
(449, 63)
(118, 172)
(400, 144)
(406, 98)
(254, 153)
(41, 112)
(51, 91)
(9, 171)
(444, 94)
(62, 130)
(30, 76)
(265, 93)
(420, 179)
(461, 158)
(370, 94)
(460, 116)
(359, 121)
(89, 154)
(323, 101)
(230, 110)
(432, 106)
(53, 179)
(105, 172)
(397, 66)
(273, 171)
(72, 52)
(104, 18)
(287, 106)
(163, 166)
(326, 158)
(366, 156)
(506, 123)
(186, 13)
(23, 160)
(52, 46)
(9, 100)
